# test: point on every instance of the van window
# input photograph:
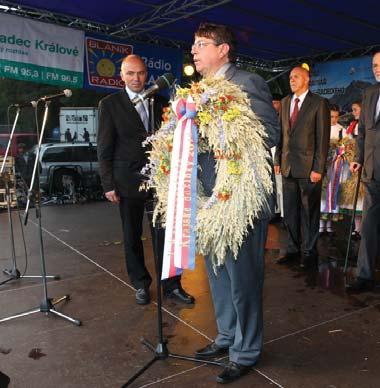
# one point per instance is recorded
(57, 155)
(84, 154)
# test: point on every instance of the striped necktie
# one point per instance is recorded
(140, 107)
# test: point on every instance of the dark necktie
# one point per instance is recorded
(294, 115)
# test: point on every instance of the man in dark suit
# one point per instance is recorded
(368, 158)
(24, 163)
(300, 158)
(122, 129)
(237, 286)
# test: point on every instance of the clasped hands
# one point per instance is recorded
(315, 177)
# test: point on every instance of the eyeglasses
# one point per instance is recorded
(201, 44)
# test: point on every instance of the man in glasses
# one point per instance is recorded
(368, 159)
(237, 286)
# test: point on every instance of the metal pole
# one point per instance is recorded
(352, 220)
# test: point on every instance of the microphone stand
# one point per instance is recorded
(13, 273)
(160, 350)
(47, 304)
(352, 223)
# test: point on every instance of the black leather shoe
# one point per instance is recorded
(142, 296)
(232, 372)
(180, 295)
(288, 258)
(360, 285)
(309, 261)
(210, 351)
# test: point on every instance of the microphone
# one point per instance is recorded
(65, 93)
(32, 104)
(165, 81)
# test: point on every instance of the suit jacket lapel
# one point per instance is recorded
(286, 114)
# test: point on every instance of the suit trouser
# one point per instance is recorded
(369, 244)
(302, 202)
(132, 216)
(236, 291)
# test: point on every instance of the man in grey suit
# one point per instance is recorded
(237, 286)
(301, 157)
(368, 158)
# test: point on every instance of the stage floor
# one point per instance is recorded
(315, 334)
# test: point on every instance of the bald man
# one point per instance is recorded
(300, 158)
(122, 129)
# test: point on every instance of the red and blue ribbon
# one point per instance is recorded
(180, 238)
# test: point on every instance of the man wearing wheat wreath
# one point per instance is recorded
(236, 287)
(368, 159)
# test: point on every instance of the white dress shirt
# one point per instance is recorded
(223, 69)
(300, 102)
(377, 108)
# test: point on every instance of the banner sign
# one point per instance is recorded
(40, 52)
(103, 62)
(342, 81)
(104, 57)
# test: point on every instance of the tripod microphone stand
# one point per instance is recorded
(47, 304)
(13, 273)
(160, 350)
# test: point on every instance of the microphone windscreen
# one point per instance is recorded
(165, 81)
(68, 93)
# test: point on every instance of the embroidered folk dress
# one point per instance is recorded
(337, 173)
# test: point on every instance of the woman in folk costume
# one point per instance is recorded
(348, 188)
(337, 172)
(352, 129)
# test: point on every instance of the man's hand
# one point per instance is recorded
(277, 170)
(355, 167)
(112, 196)
(315, 177)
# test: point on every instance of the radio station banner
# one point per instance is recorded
(40, 52)
(342, 81)
(104, 57)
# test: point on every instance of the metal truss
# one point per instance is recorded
(164, 14)
(161, 15)
(137, 27)
(13, 8)
(327, 56)
(140, 28)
